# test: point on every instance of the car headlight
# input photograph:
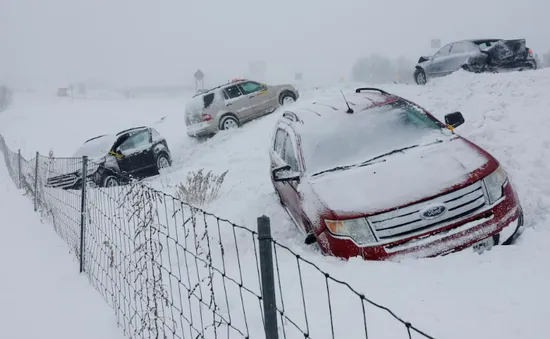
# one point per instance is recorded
(494, 183)
(357, 229)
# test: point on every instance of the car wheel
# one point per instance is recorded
(163, 161)
(110, 181)
(420, 77)
(287, 99)
(228, 122)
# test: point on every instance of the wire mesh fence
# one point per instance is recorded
(170, 270)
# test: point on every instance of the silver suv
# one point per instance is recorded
(232, 104)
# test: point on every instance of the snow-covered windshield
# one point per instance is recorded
(358, 137)
(97, 147)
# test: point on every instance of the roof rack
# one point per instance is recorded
(99, 136)
(361, 89)
(131, 129)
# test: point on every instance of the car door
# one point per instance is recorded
(237, 103)
(259, 96)
(459, 55)
(289, 190)
(137, 151)
(437, 63)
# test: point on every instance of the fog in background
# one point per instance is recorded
(163, 42)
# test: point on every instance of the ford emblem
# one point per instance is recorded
(433, 211)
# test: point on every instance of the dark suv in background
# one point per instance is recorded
(138, 153)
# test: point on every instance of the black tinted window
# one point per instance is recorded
(232, 92)
(208, 99)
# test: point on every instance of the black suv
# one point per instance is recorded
(138, 153)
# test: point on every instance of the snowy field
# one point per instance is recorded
(41, 293)
(501, 294)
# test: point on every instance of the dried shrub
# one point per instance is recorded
(200, 189)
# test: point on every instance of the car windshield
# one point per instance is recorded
(358, 137)
(97, 147)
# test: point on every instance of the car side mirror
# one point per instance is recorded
(454, 119)
(284, 174)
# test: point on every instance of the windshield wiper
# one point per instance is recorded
(371, 160)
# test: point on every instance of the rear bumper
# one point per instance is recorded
(502, 220)
(202, 129)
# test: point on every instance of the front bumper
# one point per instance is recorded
(503, 221)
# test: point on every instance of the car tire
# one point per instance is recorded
(110, 181)
(228, 122)
(163, 161)
(287, 98)
(420, 77)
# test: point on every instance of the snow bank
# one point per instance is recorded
(41, 293)
(500, 294)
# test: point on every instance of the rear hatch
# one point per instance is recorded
(196, 107)
(507, 51)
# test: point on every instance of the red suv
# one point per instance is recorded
(374, 175)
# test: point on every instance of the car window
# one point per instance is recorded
(250, 87)
(444, 51)
(461, 47)
(232, 92)
(208, 99)
(364, 135)
(289, 154)
(138, 140)
(279, 141)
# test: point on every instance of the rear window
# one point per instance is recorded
(208, 99)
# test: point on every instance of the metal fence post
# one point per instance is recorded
(267, 277)
(36, 182)
(83, 212)
(19, 167)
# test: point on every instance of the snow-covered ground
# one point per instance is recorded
(41, 293)
(503, 293)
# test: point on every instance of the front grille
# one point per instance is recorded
(407, 221)
(64, 180)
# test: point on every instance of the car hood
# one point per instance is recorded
(402, 179)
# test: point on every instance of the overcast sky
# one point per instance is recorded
(165, 41)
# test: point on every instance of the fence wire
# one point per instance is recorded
(170, 270)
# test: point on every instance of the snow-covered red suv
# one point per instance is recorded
(374, 175)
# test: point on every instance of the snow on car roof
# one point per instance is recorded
(334, 106)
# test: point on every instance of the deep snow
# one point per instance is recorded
(41, 293)
(500, 294)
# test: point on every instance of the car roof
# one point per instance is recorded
(132, 129)
(334, 106)
(222, 86)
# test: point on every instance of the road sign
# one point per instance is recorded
(436, 43)
(199, 75)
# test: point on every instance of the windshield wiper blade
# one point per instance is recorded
(400, 150)
(370, 161)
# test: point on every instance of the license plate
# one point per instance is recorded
(484, 245)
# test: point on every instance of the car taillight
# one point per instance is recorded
(206, 117)
(530, 51)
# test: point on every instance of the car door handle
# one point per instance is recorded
(252, 96)
(228, 104)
